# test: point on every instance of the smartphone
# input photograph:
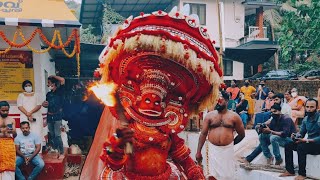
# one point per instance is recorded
(260, 86)
(9, 126)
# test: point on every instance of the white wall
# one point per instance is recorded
(238, 71)
(40, 61)
(234, 17)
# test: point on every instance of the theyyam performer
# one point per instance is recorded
(157, 70)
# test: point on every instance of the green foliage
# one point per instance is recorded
(74, 6)
(299, 30)
(86, 35)
(110, 19)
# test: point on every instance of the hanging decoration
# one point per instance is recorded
(51, 45)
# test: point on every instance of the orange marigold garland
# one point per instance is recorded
(74, 35)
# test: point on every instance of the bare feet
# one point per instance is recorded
(244, 160)
(300, 177)
(285, 174)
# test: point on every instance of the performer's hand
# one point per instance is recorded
(125, 135)
(199, 158)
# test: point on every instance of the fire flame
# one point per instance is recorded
(105, 92)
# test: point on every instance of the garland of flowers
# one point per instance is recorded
(9, 48)
(26, 42)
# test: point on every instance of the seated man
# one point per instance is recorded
(28, 146)
(242, 109)
(7, 149)
(276, 133)
(311, 126)
(285, 110)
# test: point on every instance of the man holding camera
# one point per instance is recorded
(311, 145)
(276, 133)
(28, 146)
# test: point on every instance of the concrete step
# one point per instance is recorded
(262, 175)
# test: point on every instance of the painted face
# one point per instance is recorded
(150, 105)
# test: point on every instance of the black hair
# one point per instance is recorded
(225, 95)
(311, 99)
(276, 107)
(25, 83)
(4, 103)
(235, 81)
(279, 95)
(53, 81)
(24, 122)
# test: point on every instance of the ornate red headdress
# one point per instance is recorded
(165, 66)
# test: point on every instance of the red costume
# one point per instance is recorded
(165, 68)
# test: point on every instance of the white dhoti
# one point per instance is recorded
(221, 162)
(7, 175)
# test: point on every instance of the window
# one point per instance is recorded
(200, 10)
(228, 68)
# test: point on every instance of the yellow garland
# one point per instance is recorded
(34, 50)
(55, 36)
(78, 64)
(9, 48)
(64, 50)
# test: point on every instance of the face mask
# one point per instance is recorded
(246, 84)
(294, 94)
(310, 114)
(28, 89)
(261, 85)
(4, 115)
(50, 88)
(220, 108)
(275, 116)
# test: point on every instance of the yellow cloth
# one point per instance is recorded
(7, 155)
(247, 91)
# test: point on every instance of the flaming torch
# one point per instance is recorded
(106, 93)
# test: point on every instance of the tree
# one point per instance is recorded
(299, 37)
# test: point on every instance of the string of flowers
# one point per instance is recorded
(9, 48)
(34, 50)
(26, 42)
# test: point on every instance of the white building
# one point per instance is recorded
(252, 50)
(51, 16)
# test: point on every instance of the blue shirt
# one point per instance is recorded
(27, 143)
(312, 127)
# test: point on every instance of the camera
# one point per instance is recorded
(296, 136)
(259, 127)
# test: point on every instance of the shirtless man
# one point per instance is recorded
(221, 124)
(7, 148)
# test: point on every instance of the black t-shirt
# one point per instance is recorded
(242, 107)
(56, 102)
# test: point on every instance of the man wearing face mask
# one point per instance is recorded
(233, 90)
(311, 145)
(297, 105)
(29, 104)
(54, 102)
(7, 148)
(276, 132)
(220, 124)
(262, 93)
(265, 116)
